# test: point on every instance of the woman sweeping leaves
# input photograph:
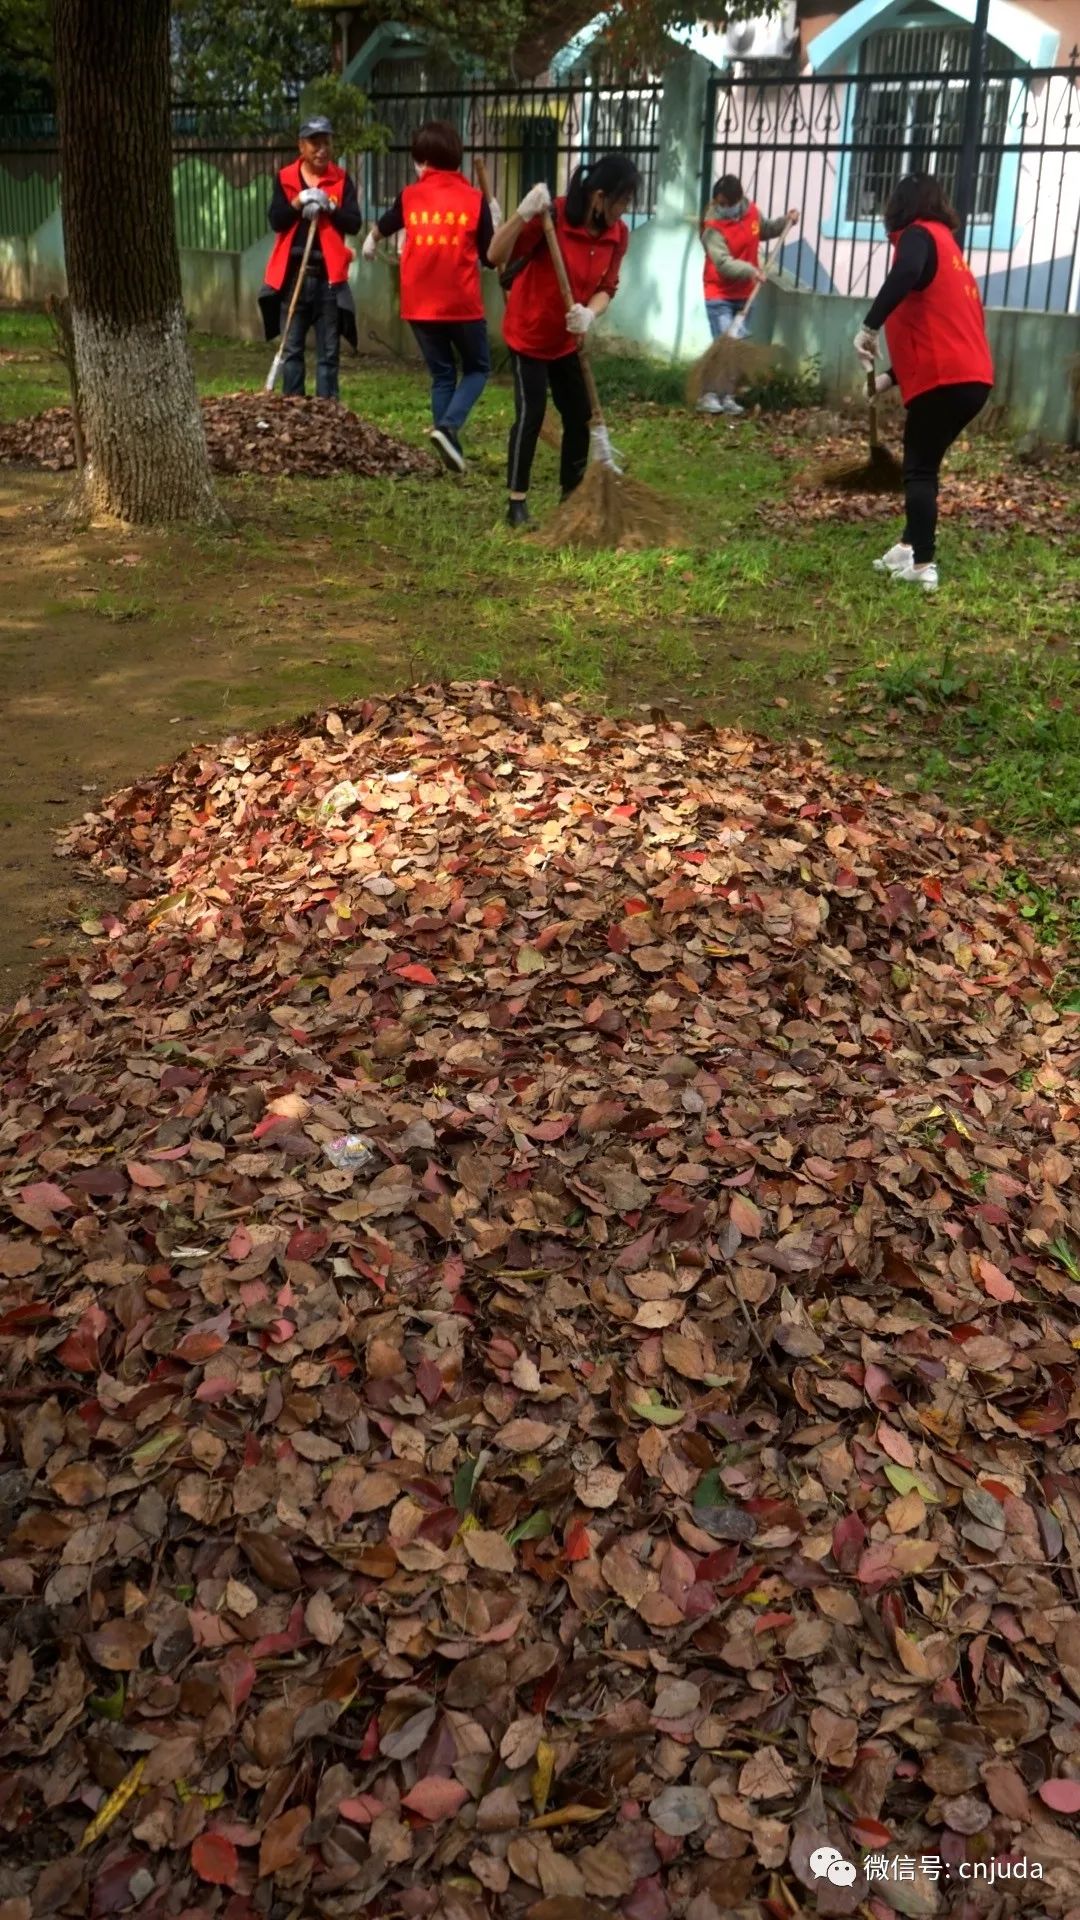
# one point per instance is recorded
(544, 339)
(933, 319)
(732, 230)
(448, 227)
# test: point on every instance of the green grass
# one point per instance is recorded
(975, 694)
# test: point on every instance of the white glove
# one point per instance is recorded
(866, 346)
(579, 319)
(496, 213)
(367, 251)
(536, 201)
(883, 383)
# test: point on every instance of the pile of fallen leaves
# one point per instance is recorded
(247, 433)
(1006, 493)
(657, 1461)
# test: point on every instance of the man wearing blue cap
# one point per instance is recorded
(310, 188)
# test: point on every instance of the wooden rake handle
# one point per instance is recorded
(871, 395)
(569, 302)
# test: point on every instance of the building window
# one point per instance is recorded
(909, 111)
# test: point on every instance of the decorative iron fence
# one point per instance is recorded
(833, 147)
(523, 134)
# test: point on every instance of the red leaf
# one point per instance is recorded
(434, 1798)
(849, 1538)
(1062, 1795)
(429, 1382)
(80, 1350)
(307, 1243)
(215, 1860)
(44, 1193)
(361, 1809)
(236, 1677)
(141, 1175)
(420, 976)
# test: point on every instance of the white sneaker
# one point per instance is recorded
(924, 577)
(895, 560)
(729, 404)
(710, 403)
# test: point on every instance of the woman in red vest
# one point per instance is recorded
(544, 340)
(448, 227)
(933, 319)
(732, 230)
(312, 188)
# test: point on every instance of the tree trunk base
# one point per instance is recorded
(146, 450)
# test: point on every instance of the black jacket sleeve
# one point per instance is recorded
(347, 218)
(392, 220)
(485, 232)
(912, 272)
(281, 216)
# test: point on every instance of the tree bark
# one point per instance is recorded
(146, 451)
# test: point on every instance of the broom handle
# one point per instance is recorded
(272, 380)
(871, 395)
(483, 179)
(567, 292)
(770, 256)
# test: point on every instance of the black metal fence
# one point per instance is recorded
(833, 148)
(523, 134)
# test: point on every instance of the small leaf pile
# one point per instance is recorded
(1020, 496)
(247, 433)
(659, 1461)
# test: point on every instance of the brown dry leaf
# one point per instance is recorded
(599, 1487)
(664, 1276)
(490, 1550)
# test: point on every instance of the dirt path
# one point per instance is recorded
(116, 651)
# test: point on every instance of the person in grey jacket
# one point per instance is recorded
(732, 229)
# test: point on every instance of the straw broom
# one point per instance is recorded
(607, 510)
(880, 473)
(732, 359)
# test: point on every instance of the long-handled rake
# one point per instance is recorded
(732, 358)
(276, 363)
(607, 510)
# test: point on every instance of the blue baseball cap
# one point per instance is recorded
(318, 124)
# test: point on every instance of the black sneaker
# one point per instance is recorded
(448, 447)
(518, 515)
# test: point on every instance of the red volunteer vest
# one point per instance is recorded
(336, 254)
(938, 338)
(743, 238)
(440, 267)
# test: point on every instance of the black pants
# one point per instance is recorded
(317, 307)
(934, 421)
(532, 378)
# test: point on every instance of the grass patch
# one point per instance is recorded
(328, 589)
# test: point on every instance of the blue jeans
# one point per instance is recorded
(722, 315)
(317, 307)
(452, 400)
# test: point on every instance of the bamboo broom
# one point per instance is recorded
(607, 510)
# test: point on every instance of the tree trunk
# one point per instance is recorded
(146, 450)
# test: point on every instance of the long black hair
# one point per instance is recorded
(919, 196)
(612, 175)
